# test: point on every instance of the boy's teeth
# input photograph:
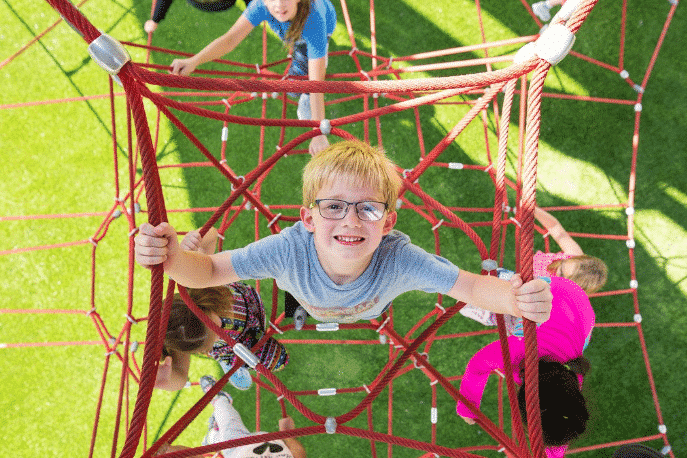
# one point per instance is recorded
(349, 239)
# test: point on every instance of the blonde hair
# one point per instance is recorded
(589, 272)
(356, 161)
(297, 23)
(185, 331)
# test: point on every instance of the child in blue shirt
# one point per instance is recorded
(303, 25)
(343, 261)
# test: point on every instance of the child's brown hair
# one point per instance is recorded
(589, 272)
(296, 28)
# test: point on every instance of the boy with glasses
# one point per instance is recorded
(343, 262)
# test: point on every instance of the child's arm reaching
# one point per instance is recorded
(559, 234)
(155, 245)
(531, 300)
(316, 72)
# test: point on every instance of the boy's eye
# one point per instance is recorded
(334, 206)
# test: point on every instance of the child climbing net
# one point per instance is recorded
(404, 350)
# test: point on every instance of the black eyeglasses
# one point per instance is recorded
(367, 210)
(274, 448)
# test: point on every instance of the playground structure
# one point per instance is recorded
(477, 92)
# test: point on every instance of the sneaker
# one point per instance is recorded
(541, 10)
(207, 382)
(303, 111)
(485, 317)
(241, 379)
(299, 317)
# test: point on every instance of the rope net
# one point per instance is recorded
(493, 86)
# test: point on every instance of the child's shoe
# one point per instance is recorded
(241, 379)
(207, 382)
(303, 111)
(541, 10)
(299, 317)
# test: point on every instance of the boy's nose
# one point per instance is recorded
(351, 218)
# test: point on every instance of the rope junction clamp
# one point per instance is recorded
(225, 133)
(245, 354)
(566, 11)
(555, 43)
(662, 429)
(637, 318)
(326, 392)
(434, 415)
(108, 53)
(455, 165)
(489, 265)
(638, 107)
(624, 74)
(630, 243)
(330, 425)
(134, 346)
(325, 127)
(327, 326)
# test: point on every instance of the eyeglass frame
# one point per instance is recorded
(348, 205)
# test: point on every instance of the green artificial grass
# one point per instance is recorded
(57, 159)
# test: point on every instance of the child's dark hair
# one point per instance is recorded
(564, 412)
(185, 331)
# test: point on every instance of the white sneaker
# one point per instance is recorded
(485, 317)
(541, 10)
(299, 317)
(303, 111)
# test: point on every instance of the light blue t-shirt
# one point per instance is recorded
(318, 26)
(397, 266)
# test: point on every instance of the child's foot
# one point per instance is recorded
(541, 10)
(241, 379)
(303, 111)
(299, 317)
(207, 382)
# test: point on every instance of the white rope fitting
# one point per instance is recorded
(666, 450)
(130, 318)
(624, 74)
(366, 389)
(434, 416)
(220, 236)
(555, 43)
(638, 107)
(382, 339)
(240, 180)
(225, 133)
(245, 354)
(638, 88)
(439, 306)
(326, 392)
(257, 68)
(630, 243)
(133, 347)
(662, 429)
(455, 166)
(525, 54)
(391, 61)
(500, 374)
(223, 161)
(116, 214)
(673, 2)
(489, 167)
(249, 205)
(188, 384)
(517, 223)
(4, 345)
(274, 220)
(350, 53)
(108, 53)
(273, 326)
(383, 324)
(264, 96)
(437, 225)
(327, 327)
(634, 284)
(399, 204)
(133, 231)
(489, 265)
(330, 425)
(112, 341)
(637, 318)
(366, 75)
(110, 353)
(137, 207)
(253, 95)
(90, 312)
(325, 127)
(226, 102)
(415, 363)
(275, 95)
(630, 211)
(280, 397)
(93, 242)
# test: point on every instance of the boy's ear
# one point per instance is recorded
(306, 217)
(390, 222)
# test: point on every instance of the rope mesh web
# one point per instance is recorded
(487, 100)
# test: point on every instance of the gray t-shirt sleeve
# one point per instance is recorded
(265, 258)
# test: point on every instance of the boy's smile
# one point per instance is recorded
(345, 246)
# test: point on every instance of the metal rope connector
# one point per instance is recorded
(108, 53)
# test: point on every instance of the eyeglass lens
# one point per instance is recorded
(337, 209)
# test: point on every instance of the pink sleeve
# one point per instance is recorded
(542, 260)
(478, 370)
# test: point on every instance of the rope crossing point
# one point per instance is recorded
(134, 80)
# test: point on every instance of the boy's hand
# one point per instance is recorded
(155, 245)
(286, 423)
(533, 299)
(191, 242)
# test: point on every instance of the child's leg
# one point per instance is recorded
(228, 420)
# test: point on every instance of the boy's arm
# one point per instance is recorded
(558, 232)
(316, 72)
(155, 245)
(296, 448)
(531, 300)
